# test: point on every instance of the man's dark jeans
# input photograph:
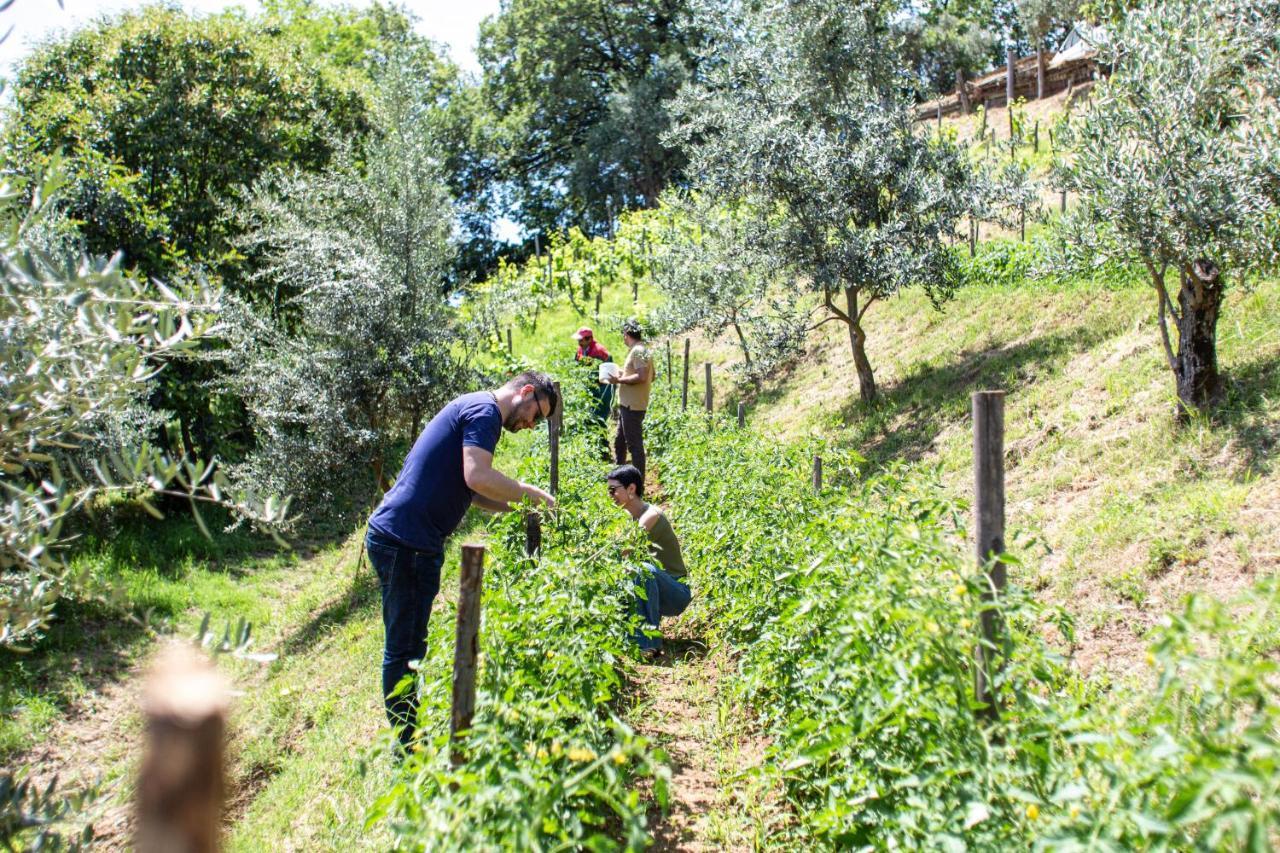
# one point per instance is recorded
(409, 580)
(630, 437)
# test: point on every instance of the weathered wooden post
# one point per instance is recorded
(532, 533)
(599, 293)
(1035, 137)
(973, 236)
(1062, 203)
(684, 388)
(707, 398)
(180, 783)
(988, 507)
(939, 115)
(466, 648)
(742, 415)
(553, 439)
(671, 380)
(1011, 76)
(1022, 220)
(510, 349)
(817, 473)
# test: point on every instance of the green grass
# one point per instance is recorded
(1121, 503)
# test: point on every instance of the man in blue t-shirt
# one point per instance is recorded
(449, 468)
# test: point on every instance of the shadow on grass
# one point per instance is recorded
(127, 536)
(88, 644)
(362, 591)
(1249, 412)
(905, 421)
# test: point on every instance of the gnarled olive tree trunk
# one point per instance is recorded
(858, 341)
(1196, 363)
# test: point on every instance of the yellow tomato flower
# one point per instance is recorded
(581, 753)
(1074, 811)
(619, 758)
(1033, 811)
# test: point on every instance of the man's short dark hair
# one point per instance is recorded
(632, 328)
(628, 475)
(543, 387)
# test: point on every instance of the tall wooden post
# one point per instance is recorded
(707, 398)
(973, 235)
(742, 415)
(684, 388)
(553, 439)
(180, 783)
(467, 646)
(988, 507)
(1035, 137)
(510, 349)
(962, 94)
(1062, 204)
(599, 293)
(671, 380)
(1011, 75)
(532, 533)
(939, 115)
(1022, 220)
(817, 473)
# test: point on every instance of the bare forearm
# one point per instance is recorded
(497, 487)
(488, 504)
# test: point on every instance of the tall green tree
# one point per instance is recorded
(365, 341)
(164, 119)
(580, 93)
(805, 112)
(1176, 161)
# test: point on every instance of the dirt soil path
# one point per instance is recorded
(714, 802)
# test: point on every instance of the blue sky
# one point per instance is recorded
(452, 22)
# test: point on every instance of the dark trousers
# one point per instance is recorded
(630, 437)
(409, 580)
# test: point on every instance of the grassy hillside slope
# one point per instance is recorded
(1118, 511)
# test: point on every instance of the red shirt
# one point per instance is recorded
(594, 350)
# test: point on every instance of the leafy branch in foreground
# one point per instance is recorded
(81, 343)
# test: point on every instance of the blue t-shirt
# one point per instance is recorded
(430, 496)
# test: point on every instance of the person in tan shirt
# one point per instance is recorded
(634, 383)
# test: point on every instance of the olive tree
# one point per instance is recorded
(711, 265)
(79, 348)
(364, 341)
(803, 106)
(1177, 164)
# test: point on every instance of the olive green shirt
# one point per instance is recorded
(665, 547)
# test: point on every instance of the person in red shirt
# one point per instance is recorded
(589, 347)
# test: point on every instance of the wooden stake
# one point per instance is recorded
(510, 349)
(684, 389)
(1011, 76)
(988, 506)
(532, 533)
(466, 648)
(742, 415)
(180, 783)
(1022, 220)
(707, 398)
(817, 473)
(973, 235)
(671, 380)
(1062, 204)
(553, 439)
